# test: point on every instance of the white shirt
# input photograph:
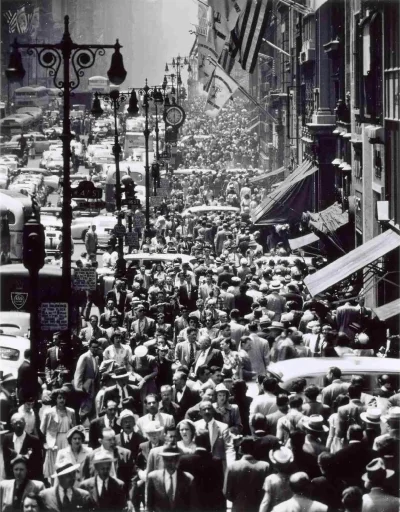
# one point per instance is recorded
(18, 441)
(170, 479)
(202, 359)
(127, 437)
(179, 394)
(100, 484)
(106, 259)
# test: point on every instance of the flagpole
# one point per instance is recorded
(255, 102)
(276, 47)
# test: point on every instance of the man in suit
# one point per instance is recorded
(155, 460)
(185, 351)
(106, 492)
(128, 438)
(181, 322)
(336, 387)
(182, 394)
(188, 293)
(237, 330)
(109, 420)
(18, 442)
(206, 355)
(111, 310)
(351, 460)
(375, 480)
(118, 296)
(226, 275)
(55, 355)
(167, 406)
(350, 414)
(92, 330)
(245, 479)
(122, 390)
(64, 496)
(220, 437)
(123, 466)
(144, 327)
(300, 486)
(169, 488)
(27, 380)
(153, 414)
(116, 328)
(86, 379)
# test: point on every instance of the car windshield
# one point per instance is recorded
(9, 354)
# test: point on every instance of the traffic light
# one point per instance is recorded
(155, 173)
(33, 241)
(130, 192)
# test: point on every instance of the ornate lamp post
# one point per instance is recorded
(178, 63)
(52, 57)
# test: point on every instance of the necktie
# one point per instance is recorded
(170, 489)
(153, 417)
(66, 502)
(103, 489)
(191, 355)
(317, 344)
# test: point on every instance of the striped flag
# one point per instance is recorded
(221, 89)
(226, 60)
(249, 31)
(207, 59)
(11, 18)
(229, 11)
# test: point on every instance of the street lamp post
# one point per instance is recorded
(52, 57)
(178, 63)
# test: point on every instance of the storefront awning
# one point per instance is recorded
(388, 310)
(302, 241)
(288, 201)
(266, 175)
(329, 220)
(352, 262)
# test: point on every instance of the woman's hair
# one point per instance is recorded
(227, 341)
(56, 392)
(188, 424)
(299, 385)
(339, 401)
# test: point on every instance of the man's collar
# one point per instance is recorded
(22, 436)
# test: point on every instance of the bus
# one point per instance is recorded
(31, 97)
(99, 84)
(20, 209)
(17, 123)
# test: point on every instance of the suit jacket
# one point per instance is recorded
(95, 428)
(7, 492)
(214, 358)
(221, 441)
(88, 332)
(155, 459)
(114, 498)
(27, 381)
(157, 498)
(182, 353)
(378, 500)
(124, 465)
(331, 392)
(52, 500)
(186, 299)
(188, 399)
(244, 484)
(149, 328)
(121, 302)
(130, 391)
(86, 376)
(105, 322)
(208, 480)
(52, 363)
(349, 414)
(133, 445)
(143, 455)
(351, 461)
(35, 463)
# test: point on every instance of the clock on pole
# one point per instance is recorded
(175, 116)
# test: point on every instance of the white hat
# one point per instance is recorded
(363, 338)
(126, 413)
(281, 457)
(103, 456)
(141, 351)
(65, 468)
(275, 285)
(153, 427)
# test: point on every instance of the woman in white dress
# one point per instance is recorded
(76, 452)
(334, 443)
(55, 424)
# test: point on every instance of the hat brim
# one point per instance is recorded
(123, 376)
(363, 416)
(323, 430)
(389, 473)
(170, 455)
(125, 416)
(71, 469)
(103, 460)
(387, 418)
(278, 463)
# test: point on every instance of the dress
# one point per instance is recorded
(333, 442)
(55, 425)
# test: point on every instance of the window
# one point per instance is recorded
(9, 354)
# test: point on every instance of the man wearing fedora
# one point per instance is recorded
(275, 301)
(123, 390)
(64, 496)
(314, 443)
(276, 485)
(169, 488)
(128, 438)
(107, 493)
(377, 499)
(108, 420)
(392, 421)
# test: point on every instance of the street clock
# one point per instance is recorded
(175, 116)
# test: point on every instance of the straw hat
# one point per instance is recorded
(393, 415)
(141, 351)
(65, 468)
(281, 457)
(372, 416)
(103, 456)
(376, 471)
(126, 413)
(315, 423)
(153, 427)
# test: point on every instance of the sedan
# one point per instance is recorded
(12, 349)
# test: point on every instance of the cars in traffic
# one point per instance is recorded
(16, 323)
(104, 227)
(12, 349)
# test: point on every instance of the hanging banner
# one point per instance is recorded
(221, 89)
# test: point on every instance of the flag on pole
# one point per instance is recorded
(249, 31)
(35, 22)
(226, 61)
(207, 59)
(11, 18)
(221, 89)
(229, 12)
(22, 21)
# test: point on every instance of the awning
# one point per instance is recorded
(266, 175)
(288, 201)
(254, 125)
(329, 220)
(388, 310)
(352, 262)
(302, 241)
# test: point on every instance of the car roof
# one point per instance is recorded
(159, 257)
(196, 209)
(18, 269)
(308, 366)
(12, 341)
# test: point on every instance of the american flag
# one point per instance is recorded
(11, 18)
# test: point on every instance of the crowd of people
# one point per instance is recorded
(169, 404)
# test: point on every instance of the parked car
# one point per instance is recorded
(12, 349)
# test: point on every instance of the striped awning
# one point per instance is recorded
(302, 241)
(352, 262)
(388, 310)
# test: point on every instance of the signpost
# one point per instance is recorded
(119, 230)
(85, 279)
(132, 239)
(54, 316)
(86, 190)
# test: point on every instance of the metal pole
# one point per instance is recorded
(146, 133)
(157, 130)
(66, 45)
(118, 193)
(34, 319)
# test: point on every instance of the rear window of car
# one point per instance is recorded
(9, 354)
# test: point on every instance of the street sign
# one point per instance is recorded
(156, 200)
(54, 316)
(86, 190)
(132, 239)
(88, 205)
(85, 279)
(163, 192)
(119, 230)
(133, 202)
(139, 220)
